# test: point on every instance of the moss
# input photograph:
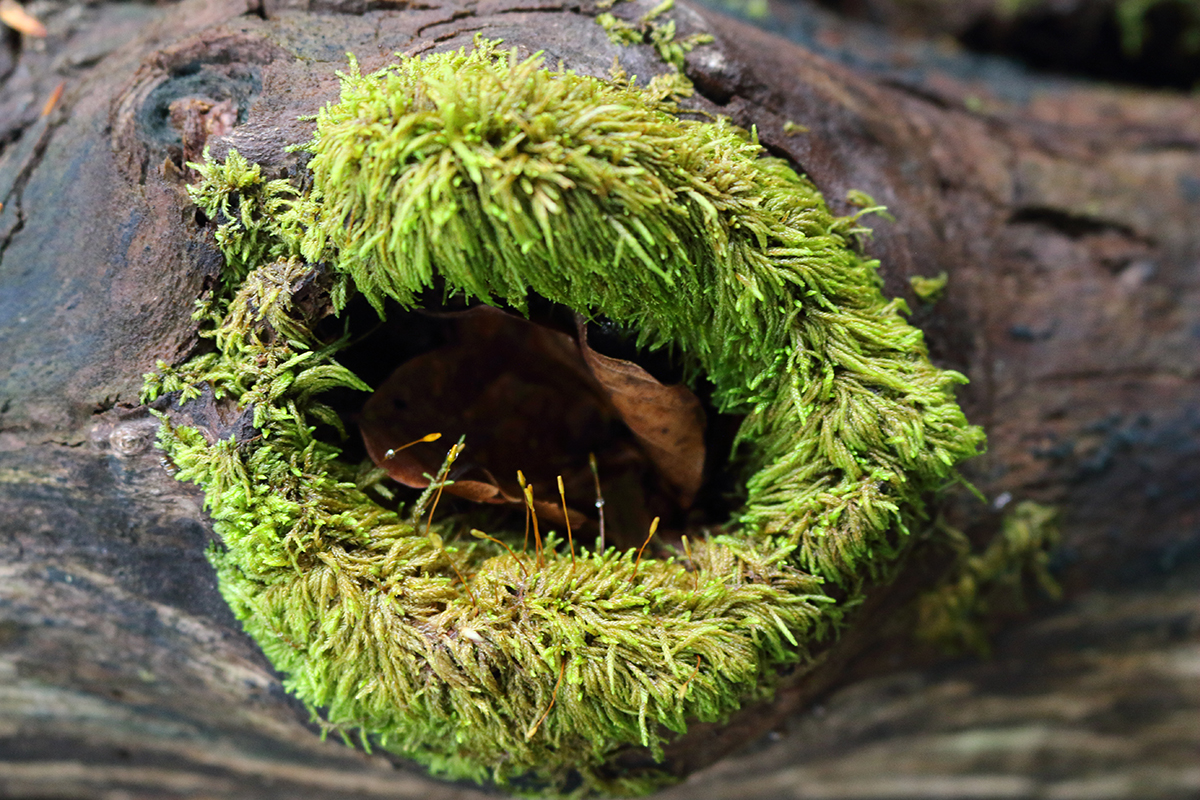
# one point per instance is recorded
(750, 9)
(929, 290)
(953, 615)
(653, 30)
(251, 209)
(1131, 18)
(496, 178)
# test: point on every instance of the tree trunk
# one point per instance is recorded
(1064, 215)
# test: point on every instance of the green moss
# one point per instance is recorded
(1131, 17)
(929, 290)
(651, 29)
(953, 615)
(750, 9)
(499, 178)
(251, 232)
(619, 31)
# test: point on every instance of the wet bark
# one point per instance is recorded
(1064, 215)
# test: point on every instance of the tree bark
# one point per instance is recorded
(1064, 215)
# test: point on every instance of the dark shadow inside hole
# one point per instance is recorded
(634, 492)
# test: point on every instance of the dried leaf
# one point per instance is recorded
(519, 393)
(16, 17)
(668, 421)
(531, 398)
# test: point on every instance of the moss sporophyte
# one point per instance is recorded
(489, 179)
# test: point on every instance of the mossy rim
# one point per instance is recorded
(504, 179)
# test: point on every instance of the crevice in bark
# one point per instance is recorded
(1074, 226)
(42, 131)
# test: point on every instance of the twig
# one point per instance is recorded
(553, 696)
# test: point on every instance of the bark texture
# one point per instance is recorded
(1064, 215)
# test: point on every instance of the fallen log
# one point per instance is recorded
(1062, 218)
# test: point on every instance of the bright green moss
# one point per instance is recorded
(655, 31)
(929, 290)
(501, 178)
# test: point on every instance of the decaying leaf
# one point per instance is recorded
(518, 393)
(668, 421)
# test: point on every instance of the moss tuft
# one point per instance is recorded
(495, 178)
(953, 614)
(929, 290)
(651, 29)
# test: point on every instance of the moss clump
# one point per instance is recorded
(500, 178)
(654, 31)
(953, 615)
(929, 290)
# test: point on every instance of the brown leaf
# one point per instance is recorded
(16, 17)
(519, 393)
(532, 398)
(668, 421)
